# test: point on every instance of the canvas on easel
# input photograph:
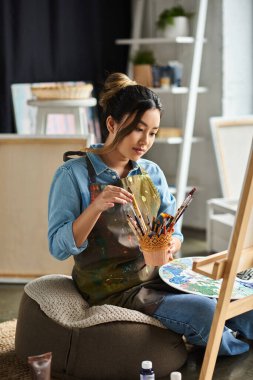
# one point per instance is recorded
(231, 137)
(226, 265)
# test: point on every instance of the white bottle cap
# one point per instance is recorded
(175, 376)
(146, 364)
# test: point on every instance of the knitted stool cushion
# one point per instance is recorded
(91, 343)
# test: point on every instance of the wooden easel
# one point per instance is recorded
(226, 265)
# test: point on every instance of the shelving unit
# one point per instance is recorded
(185, 142)
(175, 140)
(156, 40)
(177, 90)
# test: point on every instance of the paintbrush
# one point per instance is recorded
(137, 211)
(133, 227)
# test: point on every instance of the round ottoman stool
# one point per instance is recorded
(91, 343)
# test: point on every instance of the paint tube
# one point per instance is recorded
(41, 366)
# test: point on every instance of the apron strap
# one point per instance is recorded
(79, 153)
(67, 156)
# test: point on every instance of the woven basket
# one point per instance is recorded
(155, 249)
(80, 90)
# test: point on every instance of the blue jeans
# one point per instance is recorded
(191, 315)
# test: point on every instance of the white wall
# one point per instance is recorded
(237, 57)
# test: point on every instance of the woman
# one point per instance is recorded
(89, 200)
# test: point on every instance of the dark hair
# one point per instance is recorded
(120, 97)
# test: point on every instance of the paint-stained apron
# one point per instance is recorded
(112, 269)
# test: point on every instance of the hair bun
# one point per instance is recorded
(114, 83)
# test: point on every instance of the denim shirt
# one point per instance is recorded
(69, 196)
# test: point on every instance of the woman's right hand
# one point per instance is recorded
(83, 225)
(111, 195)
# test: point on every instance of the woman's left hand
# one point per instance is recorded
(174, 247)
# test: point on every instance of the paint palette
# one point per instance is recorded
(179, 274)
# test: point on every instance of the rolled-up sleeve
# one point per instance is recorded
(64, 206)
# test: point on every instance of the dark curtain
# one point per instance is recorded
(59, 40)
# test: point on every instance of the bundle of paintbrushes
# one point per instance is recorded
(154, 236)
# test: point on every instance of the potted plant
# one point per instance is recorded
(143, 61)
(174, 22)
